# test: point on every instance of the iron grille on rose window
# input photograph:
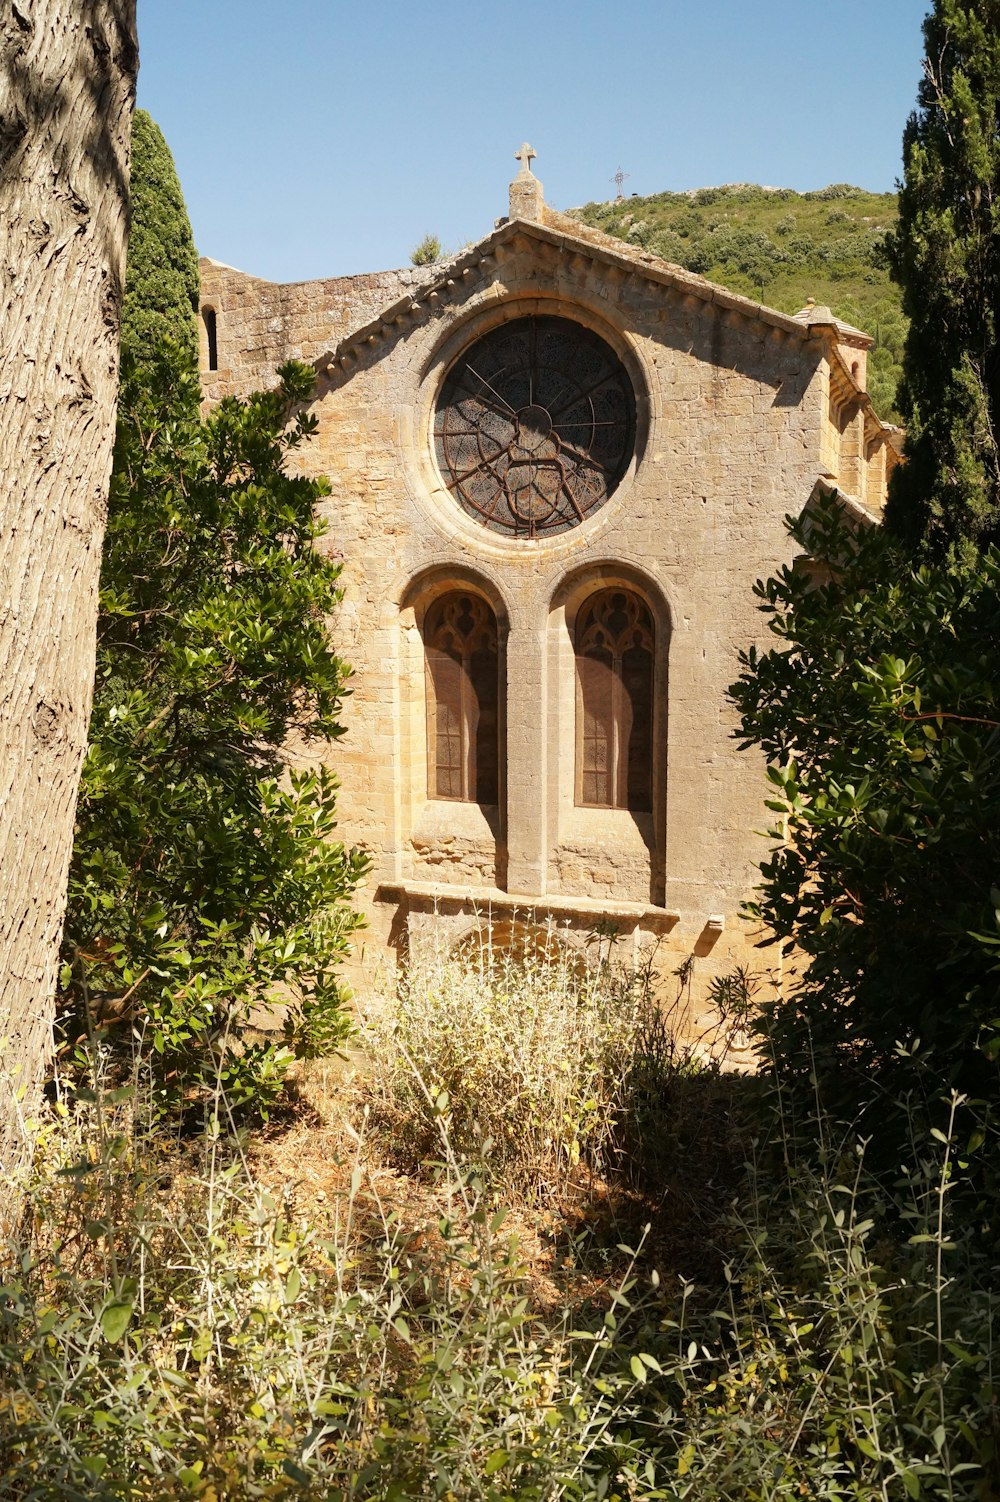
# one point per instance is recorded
(535, 426)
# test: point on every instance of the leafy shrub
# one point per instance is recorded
(525, 1049)
(670, 246)
(877, 712)
(205, 883)
(851, 249)
(687, 225)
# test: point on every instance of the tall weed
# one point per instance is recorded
(173, 1331)
(855, 1336)
(525, 1051)
(171, 1328)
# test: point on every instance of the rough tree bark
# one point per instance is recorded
(67, 86)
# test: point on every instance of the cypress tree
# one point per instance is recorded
(161, 283)
(205, 884)
(945, 254)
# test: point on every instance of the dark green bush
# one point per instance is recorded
(206, 884)
(878, 710)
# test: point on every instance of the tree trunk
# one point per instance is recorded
(67, 85)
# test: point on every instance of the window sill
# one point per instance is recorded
(629, 831)
(443, 818)
(491, 899)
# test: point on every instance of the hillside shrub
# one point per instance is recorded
(834, 190)
(668, 245)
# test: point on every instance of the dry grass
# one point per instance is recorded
(292, 1315)
(600, 1128)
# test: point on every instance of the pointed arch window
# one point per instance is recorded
(614, 717)
(463, 680)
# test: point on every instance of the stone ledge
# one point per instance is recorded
(482, 899)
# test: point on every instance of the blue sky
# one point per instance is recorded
(323, 137)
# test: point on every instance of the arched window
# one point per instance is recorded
(614, 715)
(463, 670)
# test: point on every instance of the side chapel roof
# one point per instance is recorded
(815, 315)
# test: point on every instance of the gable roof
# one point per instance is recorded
(561, 232)
(569, 235)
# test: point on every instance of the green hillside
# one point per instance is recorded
(780, 247)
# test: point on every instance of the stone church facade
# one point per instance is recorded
(558, 466)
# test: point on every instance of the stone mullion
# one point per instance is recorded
(527, 762)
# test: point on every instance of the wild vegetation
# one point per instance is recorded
(527, 1246)
(529, 1053)
(230, 1317)
(782, 247)
(427, 251)
(206, 882)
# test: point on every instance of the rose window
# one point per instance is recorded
(535, 426)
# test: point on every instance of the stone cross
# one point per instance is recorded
(525, 157)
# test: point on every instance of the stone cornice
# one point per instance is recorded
(558, 234)
(443, 896)
(844, 390)
(856, 510)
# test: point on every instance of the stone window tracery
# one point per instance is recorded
(614, 719)
(535, 426)
(463, 682)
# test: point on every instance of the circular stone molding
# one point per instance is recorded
(535, 426)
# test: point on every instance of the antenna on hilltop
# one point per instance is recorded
(619, 180)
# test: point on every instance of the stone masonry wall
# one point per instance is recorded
(259, 324)
(732, 410)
